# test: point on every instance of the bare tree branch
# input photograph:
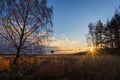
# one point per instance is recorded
(22, 20)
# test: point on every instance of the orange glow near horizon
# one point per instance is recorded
(92, 49)
(92, 52)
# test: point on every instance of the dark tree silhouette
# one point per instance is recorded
(107, 36)
(115, 22)
(99, 34)
(25, 22)
(91, 34)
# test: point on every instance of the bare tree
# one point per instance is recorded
(25, 22)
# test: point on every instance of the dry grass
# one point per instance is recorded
(61, 67)
(4, 63)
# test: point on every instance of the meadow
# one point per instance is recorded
(61, 67)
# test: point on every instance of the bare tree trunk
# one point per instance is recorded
(15, 61)
(18, 53)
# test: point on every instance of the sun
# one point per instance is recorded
(91, 49)
(92, 52)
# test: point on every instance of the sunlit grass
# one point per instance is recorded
(63, 67)
(4, 63)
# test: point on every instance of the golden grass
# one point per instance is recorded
(63, 67)
(4, 63)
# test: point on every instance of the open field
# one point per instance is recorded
(61, 67)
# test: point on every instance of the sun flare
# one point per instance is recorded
(91, 49)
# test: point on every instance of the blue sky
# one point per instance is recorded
(71, 17)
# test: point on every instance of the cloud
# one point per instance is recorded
(64, 42)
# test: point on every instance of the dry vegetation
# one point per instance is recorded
(61, 67)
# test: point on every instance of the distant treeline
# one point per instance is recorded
(105, 36)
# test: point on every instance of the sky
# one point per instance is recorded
(71, 19)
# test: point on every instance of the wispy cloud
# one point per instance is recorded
(64, 41)
(62, 44)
